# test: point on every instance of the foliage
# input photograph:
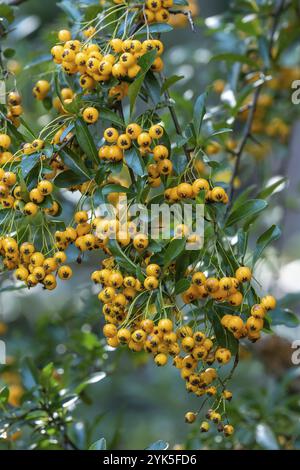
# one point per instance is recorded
(106, 79)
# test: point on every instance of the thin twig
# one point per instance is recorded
(253, 105)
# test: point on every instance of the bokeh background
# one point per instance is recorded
(138, 403)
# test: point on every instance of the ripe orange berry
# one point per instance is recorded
(243, 274)
(133, 131)
(90, 115)
(161, 359)
(268, 302)
(64, 35)
(190, 417)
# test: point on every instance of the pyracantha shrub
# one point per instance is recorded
(116, 133)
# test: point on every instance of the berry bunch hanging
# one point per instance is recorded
(191, 307)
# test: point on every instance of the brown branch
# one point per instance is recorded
(253, 105)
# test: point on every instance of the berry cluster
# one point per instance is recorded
(15, 108)
(31, 266)
(156, 295)
(191, 191)
(117, 60)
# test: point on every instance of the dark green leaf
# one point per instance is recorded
(154, 28)
(145, 62)
(174, 249)
(199, 112)
(224, 337)
(68, 178)
(86, 140)
(4, 394)
(181, 286)
(134, 161)
(111, 116)
(75, 163)
(286, 317)
(153, 87)
(170, 81)
(28, 163)
(269, 190)
(270, 235)
(245, 211)
(117, 251)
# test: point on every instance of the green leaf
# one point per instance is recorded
(243, 197)
(158, 445)
(28, 163)
(242, 242)
(270, 235)
(114, 188)
(227, 258)
(199, 112)
(225, 130)
(245, 211)
(41, 59)
(170, 81)
(224, 337)
(75, 163)
(289, 300)
(230, 57)
(263, 46)
(174, 249)
(7, 12)
(145, 62)
(154, 29)
(117, 251)
(18, 138)
(283, 316)
(85, 140)
(99, 445)
(181, 286)
(68, 178)
(4, 394)
(152, 87)
(111, 116)
(134, 161)
(269, 190)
